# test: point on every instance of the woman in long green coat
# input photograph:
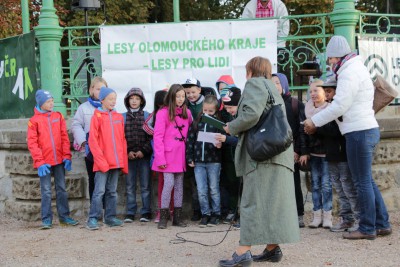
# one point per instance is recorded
(268, 214)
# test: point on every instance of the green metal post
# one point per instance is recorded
(344, 18)
(176, 11)
(25, 16)
(49, 34)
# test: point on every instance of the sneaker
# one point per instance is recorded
(92, 224)
(341, 226)
(68, 221)
(354, 227)
(145, 217)
(129, 218)
(229, 218)
(196, 216)
(214, 221)
(114, 222)
(204, 221)
(236, 225)
(46, 224)
(301, 222)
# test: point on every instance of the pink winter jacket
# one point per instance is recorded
(168, 149)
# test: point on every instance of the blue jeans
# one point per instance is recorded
(347, 194)
(360, 147)
(207, 176)
(105, 184)
(321, 184)
(61, 193)
(139, 167)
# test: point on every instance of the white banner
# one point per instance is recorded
(382, 57)
(154, 56)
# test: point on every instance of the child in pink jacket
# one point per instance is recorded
(170, 132)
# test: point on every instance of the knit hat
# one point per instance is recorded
(329, 82)
(190, 82)
(337, 47)
(104, 92)
(42, 96)
(284, 83)
(230, 96)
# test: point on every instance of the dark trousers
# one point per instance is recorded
(91, 174)
(189, 174)
(229, 187)
(297, 190)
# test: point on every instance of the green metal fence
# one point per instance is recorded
(301, 58)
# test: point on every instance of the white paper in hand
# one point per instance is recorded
(207, 137)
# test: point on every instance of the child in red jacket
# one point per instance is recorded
(108, 145)
(49, 145)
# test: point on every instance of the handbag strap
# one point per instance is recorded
(271, 98)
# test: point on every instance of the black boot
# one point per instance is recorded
(178, 220)
(164, 215)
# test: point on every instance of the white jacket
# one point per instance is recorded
(81, 122)
(280, 10)
(353, 99)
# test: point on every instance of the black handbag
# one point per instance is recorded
(271, 135)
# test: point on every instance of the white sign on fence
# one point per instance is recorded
(382, 57)
(154, 56)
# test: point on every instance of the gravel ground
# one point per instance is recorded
(142, 244)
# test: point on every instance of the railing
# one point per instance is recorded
(302, 57)
(81, 54)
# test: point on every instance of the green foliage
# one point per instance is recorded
(149, 11)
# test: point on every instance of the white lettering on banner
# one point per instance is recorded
(153, 56)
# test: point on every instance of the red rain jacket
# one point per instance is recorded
(48, 139)
(107, 141)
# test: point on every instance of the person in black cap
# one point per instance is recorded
(195, 98)
(229, 182)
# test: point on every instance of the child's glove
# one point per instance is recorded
(67, 164)
(43, 170)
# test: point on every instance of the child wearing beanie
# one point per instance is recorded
(230, 183)
(108, 145)
(80, 126)
(50, 157)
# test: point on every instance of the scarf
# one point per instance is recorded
(343, 60)
(311, 110)
(94, 103)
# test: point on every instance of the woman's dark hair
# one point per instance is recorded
(259, 67)
(208, 99)
(158, 103)
(170, 102)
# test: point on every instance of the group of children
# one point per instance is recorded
(166, 141)
(170, 142)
